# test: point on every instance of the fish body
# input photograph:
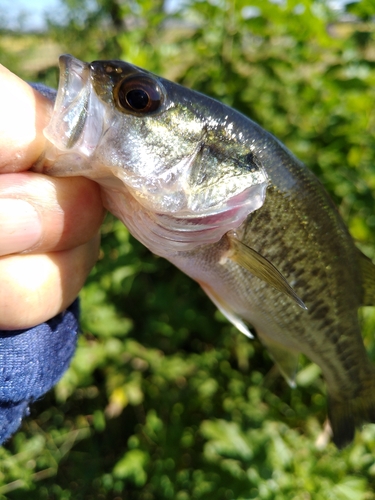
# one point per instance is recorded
(205, 187)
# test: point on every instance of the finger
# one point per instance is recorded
(42, 214)
(27, 280)
(24, 115)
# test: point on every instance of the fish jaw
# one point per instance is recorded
(76, 125)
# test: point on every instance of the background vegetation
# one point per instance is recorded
(165, 399)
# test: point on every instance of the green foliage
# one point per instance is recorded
(165, 399)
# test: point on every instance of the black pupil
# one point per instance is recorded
(138, 99)
(138, 94)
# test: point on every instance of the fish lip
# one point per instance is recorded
(76, 126)
(70, 111)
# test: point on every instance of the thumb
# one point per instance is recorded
(24, 114)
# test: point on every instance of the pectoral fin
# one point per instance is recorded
(286, 360)
(368, 280)
(260, 267)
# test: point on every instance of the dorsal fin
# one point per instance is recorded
(260, 267)
(368, 280)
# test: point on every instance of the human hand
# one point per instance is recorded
(49, 227)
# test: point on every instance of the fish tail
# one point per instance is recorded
(346, 414)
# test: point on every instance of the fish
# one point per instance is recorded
(205, 187)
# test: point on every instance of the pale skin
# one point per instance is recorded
(49, 227)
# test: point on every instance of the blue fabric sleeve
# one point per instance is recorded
(31, 363)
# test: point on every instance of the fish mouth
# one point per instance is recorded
(71, 103)
(76, 122)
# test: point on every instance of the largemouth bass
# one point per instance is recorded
(211, 191)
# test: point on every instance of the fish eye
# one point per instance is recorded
(138, 94)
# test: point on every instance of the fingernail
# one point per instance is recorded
(20, 226)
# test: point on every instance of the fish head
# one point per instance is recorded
(179, 155)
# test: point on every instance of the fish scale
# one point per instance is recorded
(345, 311)
(222, 199)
